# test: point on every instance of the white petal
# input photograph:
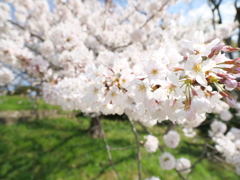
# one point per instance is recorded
(208, 65)
(198, 37)
(201, 79)
(172, 78)
(188, 44)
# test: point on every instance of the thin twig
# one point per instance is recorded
(180, 175)
(138, 150)
(108, 150)
(123, 46)
(205, 145)
(124, 19)
(23, 28)
(151, 17)
(145, 128)
(149, 132)
(122, 149)
(204, 152)
(210, 146)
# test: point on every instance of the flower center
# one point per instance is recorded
(165, 159)
(197, 67)
(113, 94)
(154, 72)
(124, 80)
(142, 88)
(95, 90)
(170, 89)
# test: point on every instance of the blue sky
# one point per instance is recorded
(182, 5)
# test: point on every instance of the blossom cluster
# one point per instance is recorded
(227, 144)
(6, 76)
(167, 161)
(153, 178)
(97, 60)
(164, 86)
(49, 42)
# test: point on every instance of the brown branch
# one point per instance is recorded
(123, 46)
(145, 128)
(149, 132)
(124, 19)
(204, 152)
(122, 148)
(161, 149)
(129, 15)
(152, 16)
(23, 28)
(138, 150)
(108, 150)
(180, 175)
(146, 22)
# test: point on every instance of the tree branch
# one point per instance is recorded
(23, 28)
(199, 159)
(138, 150)
(108, 149)
(152, 16)
(122, 148)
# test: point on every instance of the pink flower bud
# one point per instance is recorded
(215, 50)
(237, 60)
(221, 75)
(233, 70)
(229, 49)
(236, 70)
(229, 62)
(190, 114)
(226, 76)
(231, 83)
(231, 101)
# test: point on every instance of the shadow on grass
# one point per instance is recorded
(51, 149)
(36, 150)
(190, 149)
(131, 156)
(48, 124)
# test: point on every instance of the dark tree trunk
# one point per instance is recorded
(95, 127)
(171, 126)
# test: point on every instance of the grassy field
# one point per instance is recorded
(17, 103)
(61, 149)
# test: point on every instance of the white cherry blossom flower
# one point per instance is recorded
(167, 161)
(217, 128)
(196, 68)
(226, 115)
(183, 165)
(197, 44)
(153, 178)
(151, 145)
(140, 90)
(172, 139)
(6, 76)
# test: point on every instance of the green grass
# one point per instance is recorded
(17, 103)
(61, 149)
